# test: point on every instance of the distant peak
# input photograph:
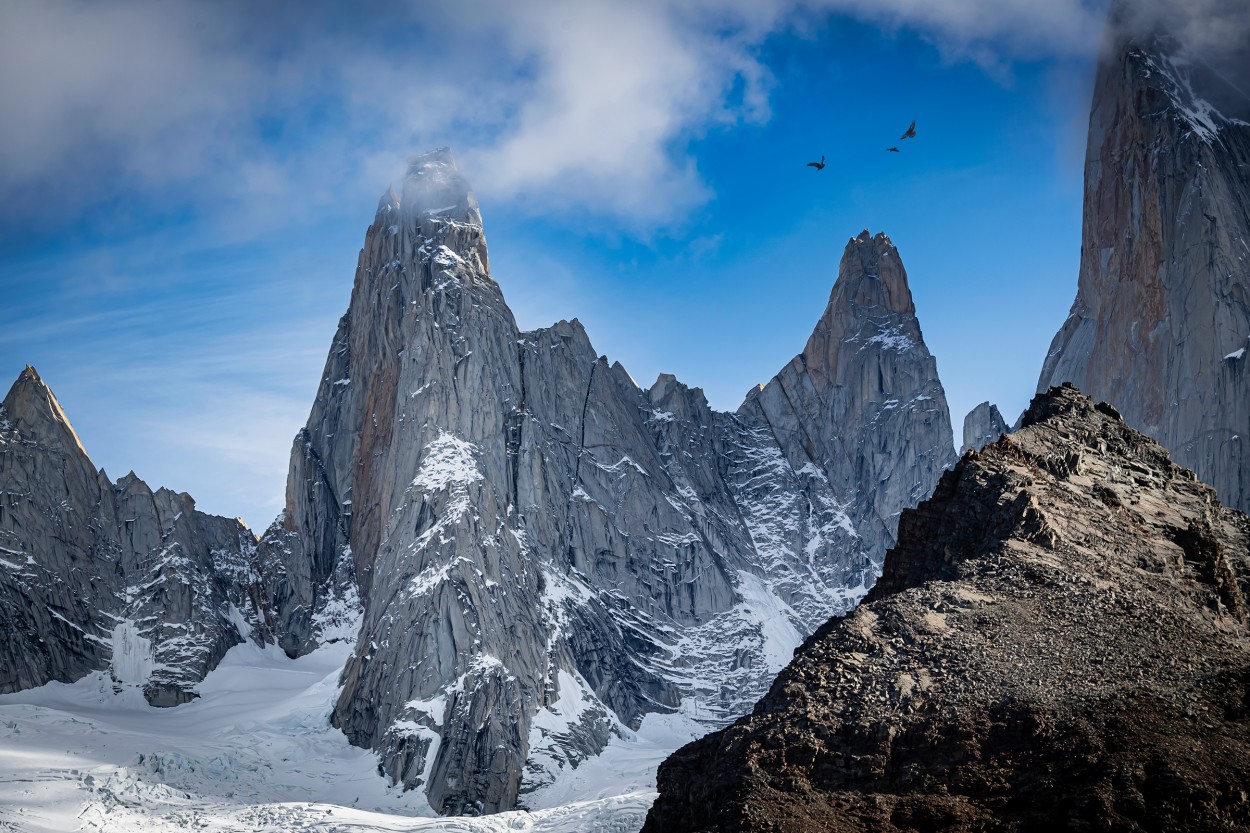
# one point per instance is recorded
(982, 425)
(1197, 56)
(871, 274)
(31, 404)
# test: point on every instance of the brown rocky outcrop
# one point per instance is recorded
(1058, 642)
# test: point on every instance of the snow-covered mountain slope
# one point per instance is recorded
(255, 752)
(103, 576)
(549, 558)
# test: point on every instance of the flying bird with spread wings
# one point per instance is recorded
(894, 150)
(820, 166)
(911, 132)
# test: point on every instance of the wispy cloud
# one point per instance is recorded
(264, 111)
(259, 116)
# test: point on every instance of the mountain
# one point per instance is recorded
(1058, 641)
(110, 576)
(982, 426)
(1161, 320)
(544, 553)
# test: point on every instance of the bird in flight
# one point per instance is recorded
(820, 166)
(911, 132)
(894, 150)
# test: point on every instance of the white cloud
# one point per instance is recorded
(275, 109)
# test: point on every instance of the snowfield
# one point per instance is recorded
(256, 752)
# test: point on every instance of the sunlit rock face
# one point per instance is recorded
(1161, 320)
(96, 575)
(545, 553)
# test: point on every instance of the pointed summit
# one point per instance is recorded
(867, 383)
(872, 275)
(870, 308)
(33, 409)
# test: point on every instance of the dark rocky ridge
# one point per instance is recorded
(1058, 641)
(99, 576)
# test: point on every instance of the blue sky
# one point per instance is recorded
(186, 187)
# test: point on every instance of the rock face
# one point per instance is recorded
(982, 426)
(862, 403)
(1161, 320)
(1058, 641)
(102, 576)
(543, 552)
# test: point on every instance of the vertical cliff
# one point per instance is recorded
(542, 552)
(1161, 320)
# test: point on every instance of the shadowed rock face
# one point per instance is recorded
(101, 576)
(543, 551)
(1161, 320)
(1058, 641)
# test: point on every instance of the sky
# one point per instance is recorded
(184, 189)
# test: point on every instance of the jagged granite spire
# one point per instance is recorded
(96, 576)
(545, 553)
(982, 426)
(32, 409)
(1161, 320)
(862, 402)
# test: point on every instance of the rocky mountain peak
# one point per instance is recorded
(171, 589)
(1196, 54)
(34, 411)
(870, 309)
(872, 275)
